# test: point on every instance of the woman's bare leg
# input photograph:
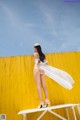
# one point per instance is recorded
(38, 84)
(43, 84)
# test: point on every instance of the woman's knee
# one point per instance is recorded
(39, 87)
(43, 86)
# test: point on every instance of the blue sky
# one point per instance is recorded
(55, 24)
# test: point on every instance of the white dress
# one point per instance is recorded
(58, 75)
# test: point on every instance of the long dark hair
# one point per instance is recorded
(41, 54)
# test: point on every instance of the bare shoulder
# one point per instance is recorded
(36, 54)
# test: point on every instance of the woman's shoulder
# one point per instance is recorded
(36, 55)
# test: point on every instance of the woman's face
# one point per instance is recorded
(35, 49)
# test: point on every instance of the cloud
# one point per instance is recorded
(24, 31)
(9, 14)
(48, 15)
(13, 18)
(56, 28)
(27, 30)
(45, 11)
(54, 33)
(17, 23)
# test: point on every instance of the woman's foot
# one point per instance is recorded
(47, 102)
(41, 104)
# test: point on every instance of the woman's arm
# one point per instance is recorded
(36, 58)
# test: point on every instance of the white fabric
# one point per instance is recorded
(58, 75)
(36, 61)
(36, 44)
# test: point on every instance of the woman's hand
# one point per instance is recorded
(46, 62)
(39, 61)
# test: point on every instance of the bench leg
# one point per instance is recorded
(67, 114)
(78, 107)
(24, 117)
(59, 116)
(41, 115)
(74, 114)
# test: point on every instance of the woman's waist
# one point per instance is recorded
(42, 64)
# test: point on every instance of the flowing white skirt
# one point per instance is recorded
(60, 76)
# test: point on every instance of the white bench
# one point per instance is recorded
(49, 109)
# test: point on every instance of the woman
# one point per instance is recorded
(41, 69)
(40, 76)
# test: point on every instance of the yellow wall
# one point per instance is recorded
(18, 89)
